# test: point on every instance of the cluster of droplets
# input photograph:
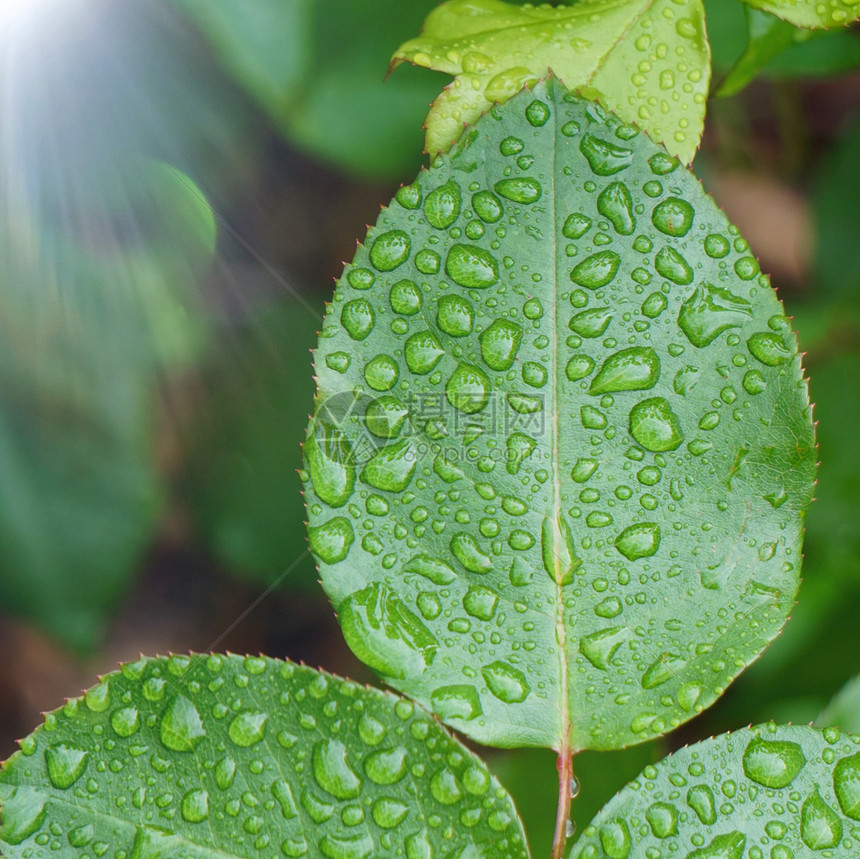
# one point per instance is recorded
(250, 757)
(514, 402)
(762, 793)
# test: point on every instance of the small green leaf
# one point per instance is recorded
(624, 54)
(778, 791)
(613, 450)
(844, 710)
(207, 756)
(810, 13)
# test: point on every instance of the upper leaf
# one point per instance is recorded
(777, 791)
(562, 446)
(648, 60)
(219, 756)
(811, 13)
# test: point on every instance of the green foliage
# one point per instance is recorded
(209, 756)
(83, 330)
(648, 60)
(844, 710)
(810, 13)
(323, 86)
(560, 425)
(241, 478)
(771, 790)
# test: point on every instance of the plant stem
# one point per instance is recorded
(562, 818)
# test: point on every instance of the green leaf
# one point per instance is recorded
(208, 756)
(241, 479)
(778, 791)
(562, 446)
(768, 37)
(844, 710)
(810, 13)
(810, 53)
(625, 54)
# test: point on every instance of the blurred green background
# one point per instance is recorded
(180, 183)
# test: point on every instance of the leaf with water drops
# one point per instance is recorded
(204, 756)
(782, 792)
(811, 13)
(648, 60)
(575, 519)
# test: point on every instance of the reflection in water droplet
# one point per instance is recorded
(710, 310)
(390, 250)
(330, 464)
(472, 267)
(248, 728)
(442, 206)
(639, 541)
(422, 352)
(487, 206)
(181, 726)
(773, 763)
(634, 369)
(728, 846)
(655, 426)
(604, 158)
(597, 270)
(332, 769)
(673, 216)
(768, 348)
(385, 634)
(456, 702)
(599, 647)
(468, 389)
(507, 683)
(391, 468)
(671, 265)
(331, 541)
(616, 205)
(820, 826)
(701, 799)
(520, 189)
(65, 765)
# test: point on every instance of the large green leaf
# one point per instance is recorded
(648, 60)
(219, 756)
(777, 791)
(562, 446)
(810, 13)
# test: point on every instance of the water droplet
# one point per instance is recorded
(662, 670)
(195, 806)
(597, 270)
(405, 298)
(456, 702)
(558, 551)
(385, 634)
(23, 814)
(422, 352)
(427, 261)
(655, 426)
(663, 819)
(635, 369)
(442, 206)
(455, 315)
(390, 250)
(248, 728)
(480, 602)
(578, 367)
(359, 846)
(753, 382)
(615, 839)
(728, 846)
(507, 683)
(639, 541)
(435, 570)
(820, 826)
(500, 343)
(331, 541)
(357, 318)
(338, 361)
(409, 196)
(225, 772)
(591, 323)
(662, 163)
(466, 550)
(537, 113)
(511, 146)
(671, 265)
(717, 246)
(384, 417)
(576, 226)
(599, 647)
(846, 785)
(616, 205)
(604, 158)
(519, 448)
(181, 726)
(773, 763)
(468, 389)
(125, 722)
(654, 305)
(487, 206)
(332, 769)
(710, 310)
(65, 765)
(330, 463)
(673, 216)
(388, 813)
(534, 374)
(472, 267)
(391, 468)
(768, 348)
(701, 799)
(519, 189)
